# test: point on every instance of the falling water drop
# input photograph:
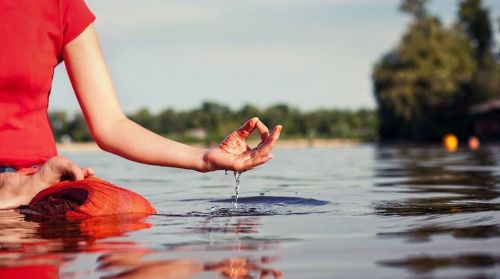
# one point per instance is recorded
(236, 188)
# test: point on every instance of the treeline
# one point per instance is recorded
(426, 86)
(211, 122)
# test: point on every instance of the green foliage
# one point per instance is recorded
(211, 122)
(422, 79)
(64, 125)
(144, 118)
(475, 21)
(78, 128)
(414, 7)
(425, 85)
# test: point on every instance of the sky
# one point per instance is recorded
(310, 54)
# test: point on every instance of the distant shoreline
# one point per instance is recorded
(286, 143)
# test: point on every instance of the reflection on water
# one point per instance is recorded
(40, 247)
(426, 263)
(137, 267)
(149, 264)
(453, 191)
(423, 233)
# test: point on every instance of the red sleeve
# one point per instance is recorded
(76, 16)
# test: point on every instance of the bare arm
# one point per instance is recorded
(115, 133)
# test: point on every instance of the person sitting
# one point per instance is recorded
(36, 37)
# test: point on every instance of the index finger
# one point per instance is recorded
(247, 128)
(268, 144)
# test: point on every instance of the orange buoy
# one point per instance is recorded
(87, 198)
(474, 143)
(450, 142)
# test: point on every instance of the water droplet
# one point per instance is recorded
(236, 188)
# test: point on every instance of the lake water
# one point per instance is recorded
(349, 212)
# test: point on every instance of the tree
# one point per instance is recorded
(474, 19)
(58, 120)
(419, 86)
(213, 117)
(417, 8)
(78, 129)
(144, 118)
(168, 122)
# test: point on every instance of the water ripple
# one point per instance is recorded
(275, 200)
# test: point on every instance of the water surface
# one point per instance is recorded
(351, 212)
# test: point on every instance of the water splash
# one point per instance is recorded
(236, 187)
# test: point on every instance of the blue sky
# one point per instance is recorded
(307, 53)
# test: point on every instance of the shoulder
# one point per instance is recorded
(75, 17)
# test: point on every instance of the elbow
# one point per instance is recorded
(102, 144)
(102, 138)
(105, 135)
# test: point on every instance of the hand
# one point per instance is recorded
(58, 169)
(135, 266)
(20, 187)
(233, 153)
(238, 267)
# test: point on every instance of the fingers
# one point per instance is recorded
(76, 172)
(247, 128)
(87, 172)
(59, 168)
(81, 173)
(266, 146)
(261, 154)
(261, 160)
(263, 130)
(248, 162)
(234, 154)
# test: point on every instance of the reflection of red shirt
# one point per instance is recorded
(31, 271)
(32, 36)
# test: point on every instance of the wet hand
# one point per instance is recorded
(58, 169)
(20, 187)
(233, 153)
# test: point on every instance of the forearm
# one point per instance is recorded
(117, 134)
(127, 139)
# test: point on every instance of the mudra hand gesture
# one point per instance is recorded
(233, 153)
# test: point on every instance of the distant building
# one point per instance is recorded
(486, 117)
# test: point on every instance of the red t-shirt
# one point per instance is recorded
(32, 36)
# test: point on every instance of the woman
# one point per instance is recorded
(36, 37)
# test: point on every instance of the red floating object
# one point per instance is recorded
(87, 198)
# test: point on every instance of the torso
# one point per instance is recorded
(31, 39)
